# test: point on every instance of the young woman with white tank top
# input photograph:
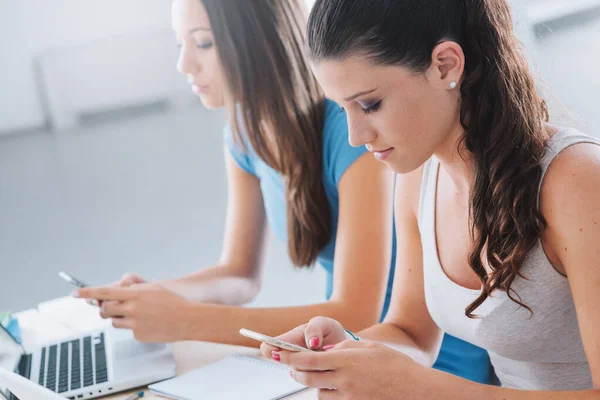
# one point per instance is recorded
(535, 350)
(290, 171)
(496, 210)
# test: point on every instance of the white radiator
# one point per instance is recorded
(110, 73)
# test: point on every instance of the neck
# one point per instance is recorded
(457, 161)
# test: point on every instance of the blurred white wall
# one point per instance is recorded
(522, 22)
(59, 23)
(19, 104)
(34, 28)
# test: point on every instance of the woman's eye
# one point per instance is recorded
(204, 45)
(373, 108)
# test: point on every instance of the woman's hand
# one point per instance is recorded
(127, 280)
(319, 333)
(153, 313)
(360, 370)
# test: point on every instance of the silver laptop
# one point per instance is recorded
(88, 366)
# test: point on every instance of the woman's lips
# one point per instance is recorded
(199, 89)
(381, 155)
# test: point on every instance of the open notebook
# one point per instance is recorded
(232, 378)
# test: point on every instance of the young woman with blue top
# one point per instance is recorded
(290, 170)
(289, 167)
(497, 217)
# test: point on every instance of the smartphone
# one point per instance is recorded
(71, 280)
(272, 341)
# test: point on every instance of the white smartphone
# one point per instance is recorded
(71, 280)
(272, 341)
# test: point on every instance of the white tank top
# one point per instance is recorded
(539, 352)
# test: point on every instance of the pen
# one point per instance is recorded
(135, 396)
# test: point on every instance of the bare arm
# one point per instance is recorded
(235, 279)
(358, 369)
(362, 260)
(362, 263)
(569, 202)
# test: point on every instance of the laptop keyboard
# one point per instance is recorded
(63, 370)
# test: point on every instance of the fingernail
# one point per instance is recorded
(328, 347)
(275, 356)
(75, 294)
(313, 342)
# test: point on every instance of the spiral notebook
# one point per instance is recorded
(232, 378)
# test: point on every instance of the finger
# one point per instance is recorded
(320, 330)
(122, 323)
(112, 309)
(93, 302)
(295, 336)
(130, 279)
(315, 380)
(104, 293)
(314, 332)
(266, 350)
(311, 361)
(126, 282)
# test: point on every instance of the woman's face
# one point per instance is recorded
(402, 117)
(198, 58)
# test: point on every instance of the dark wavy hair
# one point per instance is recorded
(280, 105)
(501, 111)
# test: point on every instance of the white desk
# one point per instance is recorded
(51, 325)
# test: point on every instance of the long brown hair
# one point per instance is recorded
(501, 112)
(278, 104)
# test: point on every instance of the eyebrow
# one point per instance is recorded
(198, 29)
(354, 96)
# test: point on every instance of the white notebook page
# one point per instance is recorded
(232, 378)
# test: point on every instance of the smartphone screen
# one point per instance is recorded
(71, 280)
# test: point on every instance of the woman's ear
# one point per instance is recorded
(447, 65)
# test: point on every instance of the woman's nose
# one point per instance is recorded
(359, 133)
(186, 64)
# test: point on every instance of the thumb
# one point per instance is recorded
(320, 330)
(130, 280)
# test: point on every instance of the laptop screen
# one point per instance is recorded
(10, 354)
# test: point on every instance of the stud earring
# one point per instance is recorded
(452, 85)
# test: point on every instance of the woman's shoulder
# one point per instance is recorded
(569, 197)
(571, 184)
(572, 161)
